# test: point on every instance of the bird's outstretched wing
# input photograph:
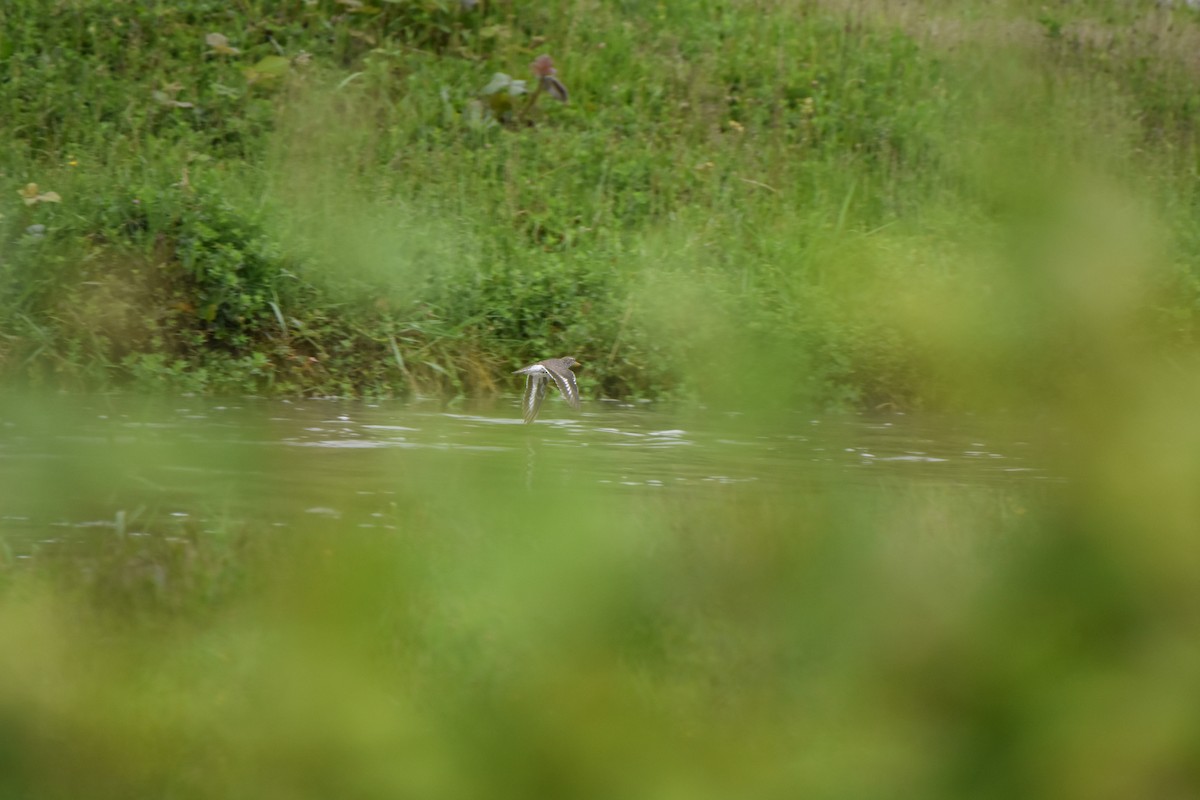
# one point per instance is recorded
(565, 379)
(535, 393)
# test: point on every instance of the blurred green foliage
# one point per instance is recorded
(821, 637)
(982, 205)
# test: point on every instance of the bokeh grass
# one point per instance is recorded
(755, 205)
(509, 635)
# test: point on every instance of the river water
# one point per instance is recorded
(74, 467)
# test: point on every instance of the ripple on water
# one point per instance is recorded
(281, 461)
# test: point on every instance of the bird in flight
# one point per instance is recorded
(538, 375)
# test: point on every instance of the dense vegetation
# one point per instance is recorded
(764, 205)
(313, 197)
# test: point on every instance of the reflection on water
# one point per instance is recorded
(111, 463)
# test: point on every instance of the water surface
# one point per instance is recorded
(73, 466)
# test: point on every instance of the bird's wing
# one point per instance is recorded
(535, 392)
(566, 384)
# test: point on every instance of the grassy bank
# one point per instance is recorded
(873, 200)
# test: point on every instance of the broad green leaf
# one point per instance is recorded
(269, 68)
(220, 44)
(499, 82)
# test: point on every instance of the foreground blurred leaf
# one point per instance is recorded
(162, 98)
(269, 68)
(32, 196)
(220, 44)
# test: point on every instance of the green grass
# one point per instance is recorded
(330, 213)
(863, 205)
(866, 205)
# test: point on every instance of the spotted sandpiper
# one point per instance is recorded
(538, 375)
